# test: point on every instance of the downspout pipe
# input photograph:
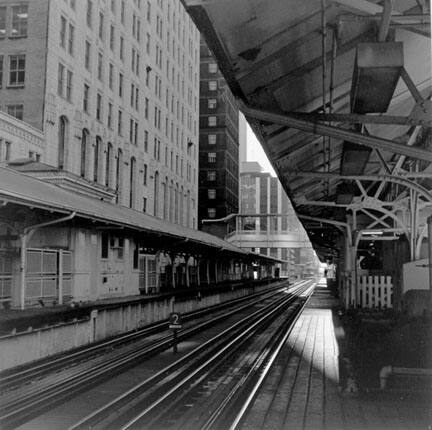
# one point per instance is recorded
(25, 237)
(385, 21)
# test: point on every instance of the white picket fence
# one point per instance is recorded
(375, 291)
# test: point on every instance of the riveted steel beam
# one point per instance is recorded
(338, 133)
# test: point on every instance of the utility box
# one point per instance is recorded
(377, 69)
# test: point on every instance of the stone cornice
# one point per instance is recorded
(21, 130)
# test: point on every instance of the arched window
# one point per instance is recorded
(108, 160)
(171, 205)
(132, 182)
(63, 138)
(85, 139)
(165, 199)
(181, 196)
(118, 180)
(176, 205)
(97, 149)
(156, 193)
(188, 209)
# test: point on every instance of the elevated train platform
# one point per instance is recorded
(315, 382)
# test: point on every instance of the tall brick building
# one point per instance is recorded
(218, 142)
(114, 87)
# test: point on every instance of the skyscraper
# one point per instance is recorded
(114, 87)
(218, 142)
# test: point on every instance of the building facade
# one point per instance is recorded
(268, 224)
(113, 85)
(218, 142)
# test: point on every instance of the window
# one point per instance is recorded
(212, 85)
(16, 70)
(132, 180)
(121, 48)
(2, 22)
(60, 79)
(89, 13)
(62, 139)
(100, 66)
(104, 245)
(212, 67)
(112, 37)
(108, 164)
(212, 139)
(101, 25)
(212, 121)
(84, 144)
(120, 123)
(122, 12)
(120, 84)
(110, 112)
(211, 175)
(98, 106)
(87, 55)
(16, 110)
(71, 39)
(144, 204)
(146, 108)
(118, 175)
(19, 21)
(212, 103)
(86, 98)
(211, 212)
(63, 32)
(148, 11)
(111, 76)
(145, 174)
(211, 157)
(97, 149)
(146, 141)
(211, 194)
(69, 77)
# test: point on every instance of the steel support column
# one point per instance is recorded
(429, 223)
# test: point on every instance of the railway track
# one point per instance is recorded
(211, 386)
(19, 405)
(10, 379)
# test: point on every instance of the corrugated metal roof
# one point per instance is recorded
(29, 191)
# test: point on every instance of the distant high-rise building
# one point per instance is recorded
(242, 140)
(114, 87)
(218, 142)
(268, 224)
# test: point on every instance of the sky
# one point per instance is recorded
(256, 153)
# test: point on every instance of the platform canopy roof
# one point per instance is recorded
(335, 113)
(18, 189)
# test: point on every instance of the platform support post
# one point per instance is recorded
(208, 271)
(197, 262)
(187, 270)
(429, 223)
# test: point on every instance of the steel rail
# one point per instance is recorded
(123, 403)
(265, 370)
(23, 375)
(212, 362)
(28, 404)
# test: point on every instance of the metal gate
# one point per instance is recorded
(5, 278)
(48, 276)
(147, 274)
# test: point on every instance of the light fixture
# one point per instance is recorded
(373, 233)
